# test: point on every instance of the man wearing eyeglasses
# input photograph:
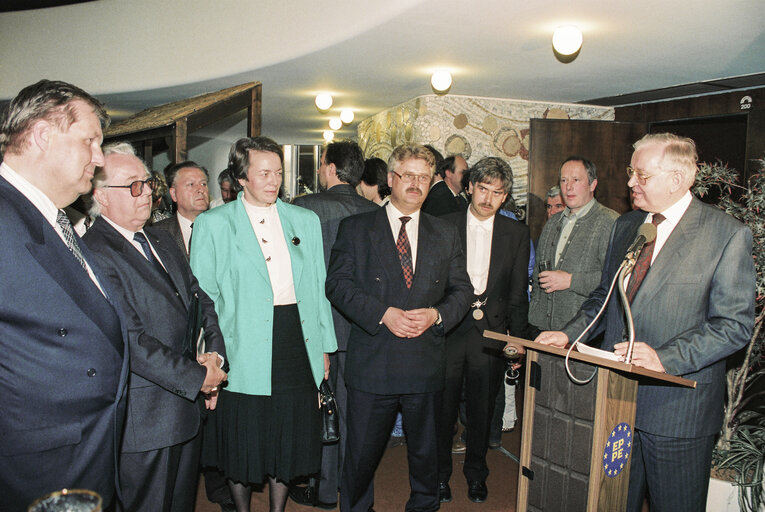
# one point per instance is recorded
(399, 275)
(187, 183)
(160, 450)
(692, 298)
(571, 249)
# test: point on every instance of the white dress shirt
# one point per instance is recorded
(412, 228)
(130, 237)
(185, 225)
(268, 230)
(478, 251)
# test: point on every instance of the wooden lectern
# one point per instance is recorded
(576, 438)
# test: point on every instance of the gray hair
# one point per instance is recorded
(554, 191)
(679, 154)
(99, 177)
(490, 169)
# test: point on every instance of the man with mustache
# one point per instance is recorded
(497, 250)
(399, 276)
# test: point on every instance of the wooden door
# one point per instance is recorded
(607, 144)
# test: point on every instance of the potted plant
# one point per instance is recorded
(740, 449)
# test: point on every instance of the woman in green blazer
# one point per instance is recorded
(261, 261)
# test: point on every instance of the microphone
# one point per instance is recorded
(646, 234)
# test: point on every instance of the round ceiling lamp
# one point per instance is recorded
(567, 40)
(323, 101)
(335, 123)
(346, 116)
(441, 81)
(328, 135)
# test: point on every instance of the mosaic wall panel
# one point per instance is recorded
(472, 127)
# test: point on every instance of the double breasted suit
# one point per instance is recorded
(383, 371)
(163, 396)
(65, 363)
(695, 307)
(475, 359)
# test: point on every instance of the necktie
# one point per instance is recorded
(643, 262)
(405, 252)
(71, 242)
(141, 239)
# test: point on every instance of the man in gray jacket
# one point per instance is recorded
(571, 249)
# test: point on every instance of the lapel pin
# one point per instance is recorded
(295, 241)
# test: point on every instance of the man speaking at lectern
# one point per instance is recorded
(692, 300)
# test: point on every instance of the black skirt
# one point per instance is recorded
(249, 437)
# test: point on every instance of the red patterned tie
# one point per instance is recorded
(643, 262)
(405, 252)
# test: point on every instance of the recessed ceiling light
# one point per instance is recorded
(323, 101)
(346, 116)
(335, 123)
(441, 81)
(328, 135)
(567, 39)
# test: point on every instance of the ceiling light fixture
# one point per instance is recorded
(323, 101)
(441, 81)
(346, 116)
(328, 135)
(567, 40)
(335, 123)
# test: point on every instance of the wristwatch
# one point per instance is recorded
(438, 321)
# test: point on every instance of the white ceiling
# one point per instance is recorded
(373, 54)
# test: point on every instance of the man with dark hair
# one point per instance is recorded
(187, 182)
(444, 196)
(340, 171)
(692, 294)
(571, 249)
(159, 456)
(399, 276)
(65, 361)
(497, 250)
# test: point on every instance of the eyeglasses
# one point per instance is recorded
(640, 177)
(408, 177)
(136, 188)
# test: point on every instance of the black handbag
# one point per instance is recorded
(330, 425)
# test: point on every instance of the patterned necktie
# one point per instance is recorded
(405, 252)
(141, 239)
(71, 242)
(643, 262)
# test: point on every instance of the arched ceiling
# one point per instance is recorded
(373, 55)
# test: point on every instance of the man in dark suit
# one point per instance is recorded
(399, 276)
(342, 164)
(187, 183)
(497, 250)
(692, 300)
(153, 282)
(65, 360)
(444, 196)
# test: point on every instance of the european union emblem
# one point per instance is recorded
(618, 448)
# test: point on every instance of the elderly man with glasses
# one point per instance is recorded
(154, 285)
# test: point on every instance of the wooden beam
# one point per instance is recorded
(254, 112)
(218, 111)
(148, 152)
(180, 148)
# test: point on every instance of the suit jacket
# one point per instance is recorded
(332, 206)
(441, 201)
(365, 278)
(695, 307)
(171, 225)
(64, 366)
(164, 384)
(230, 266)
(507, 304)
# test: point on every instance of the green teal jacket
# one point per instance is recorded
(230, 267)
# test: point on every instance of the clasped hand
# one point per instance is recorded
(215, 376)
(409, 324)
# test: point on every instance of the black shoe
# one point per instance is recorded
(477, 491)
(444, 492)
(308, 497)
(227, 506)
